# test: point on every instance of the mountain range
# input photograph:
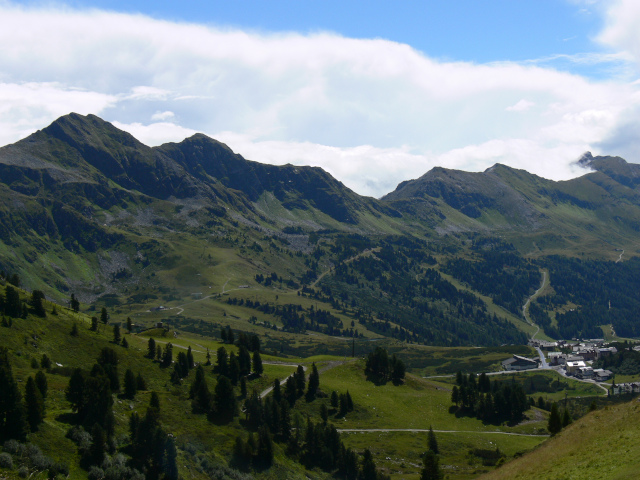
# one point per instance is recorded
(86, 208)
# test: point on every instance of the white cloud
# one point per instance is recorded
(373, 112)
(159, 116)
(522, 106)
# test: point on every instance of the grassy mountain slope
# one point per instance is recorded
(602, 445)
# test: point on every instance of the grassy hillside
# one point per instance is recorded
(603, 445)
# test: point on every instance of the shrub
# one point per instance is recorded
(6, 461)
(12, 446)
(95, 473)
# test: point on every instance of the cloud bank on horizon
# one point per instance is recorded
(370, 111)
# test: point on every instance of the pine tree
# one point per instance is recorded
(301, 380)
(129, 325)
(34, 404)
(94, 324)
(140, 383)
(433, 443)
(130, 385)
(257, 363)
(104, 316)
(98, 447)
(566, 418)
(171, 460)
(431, 469)
(116, 333)
(243, 387)
(124, 342)
(45, 362)
(208, 362)
(167, 355)
(190, 362)
(224, 400)
(41, 383)
(199, 392)
(13, 416)
(314, 382)
(151, 348)
(37, 303)
(244, 360)
(555, 422)
(368, 471)
(74, 330)
(277, 392)
(334, 399)
(234, 368)
(222, 362)
(74, 303)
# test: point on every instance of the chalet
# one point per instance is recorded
(625, 388)
(586, 373)
(197, 295)
(573, 367)
(600, 375)
(556, 358)
(519, 363)
(607, 352)
(588, 354)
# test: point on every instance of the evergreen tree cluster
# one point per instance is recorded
(13, 414)
(380, 368)
(153, 450)
(183, 365)
(90, 393)
(493, 402)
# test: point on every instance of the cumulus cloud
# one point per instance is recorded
(522, 106)
(372, 112)
(159, 116)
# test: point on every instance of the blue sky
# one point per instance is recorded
(465, 30)
(375, 92)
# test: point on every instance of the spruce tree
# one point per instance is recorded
(555, 422)
(74, 303)
(116, 333)
(190, 362)
(431, 467)
(37, 303)
(167, 355)
(41, 383)
(130, 385)
(222, 362)
(94, 324)
(199, 392)
(244, 360)
(151, 348)
(234, 368)
(433, 443)
(13, 417)
(314, 382)
(129, 325)
(45, 362)
(170, 460)
(566, 418)
(225, 406)
(140, 383)
(368, 471)
(257, 363)
(300, 379)
(34, 404)
(104, 316)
